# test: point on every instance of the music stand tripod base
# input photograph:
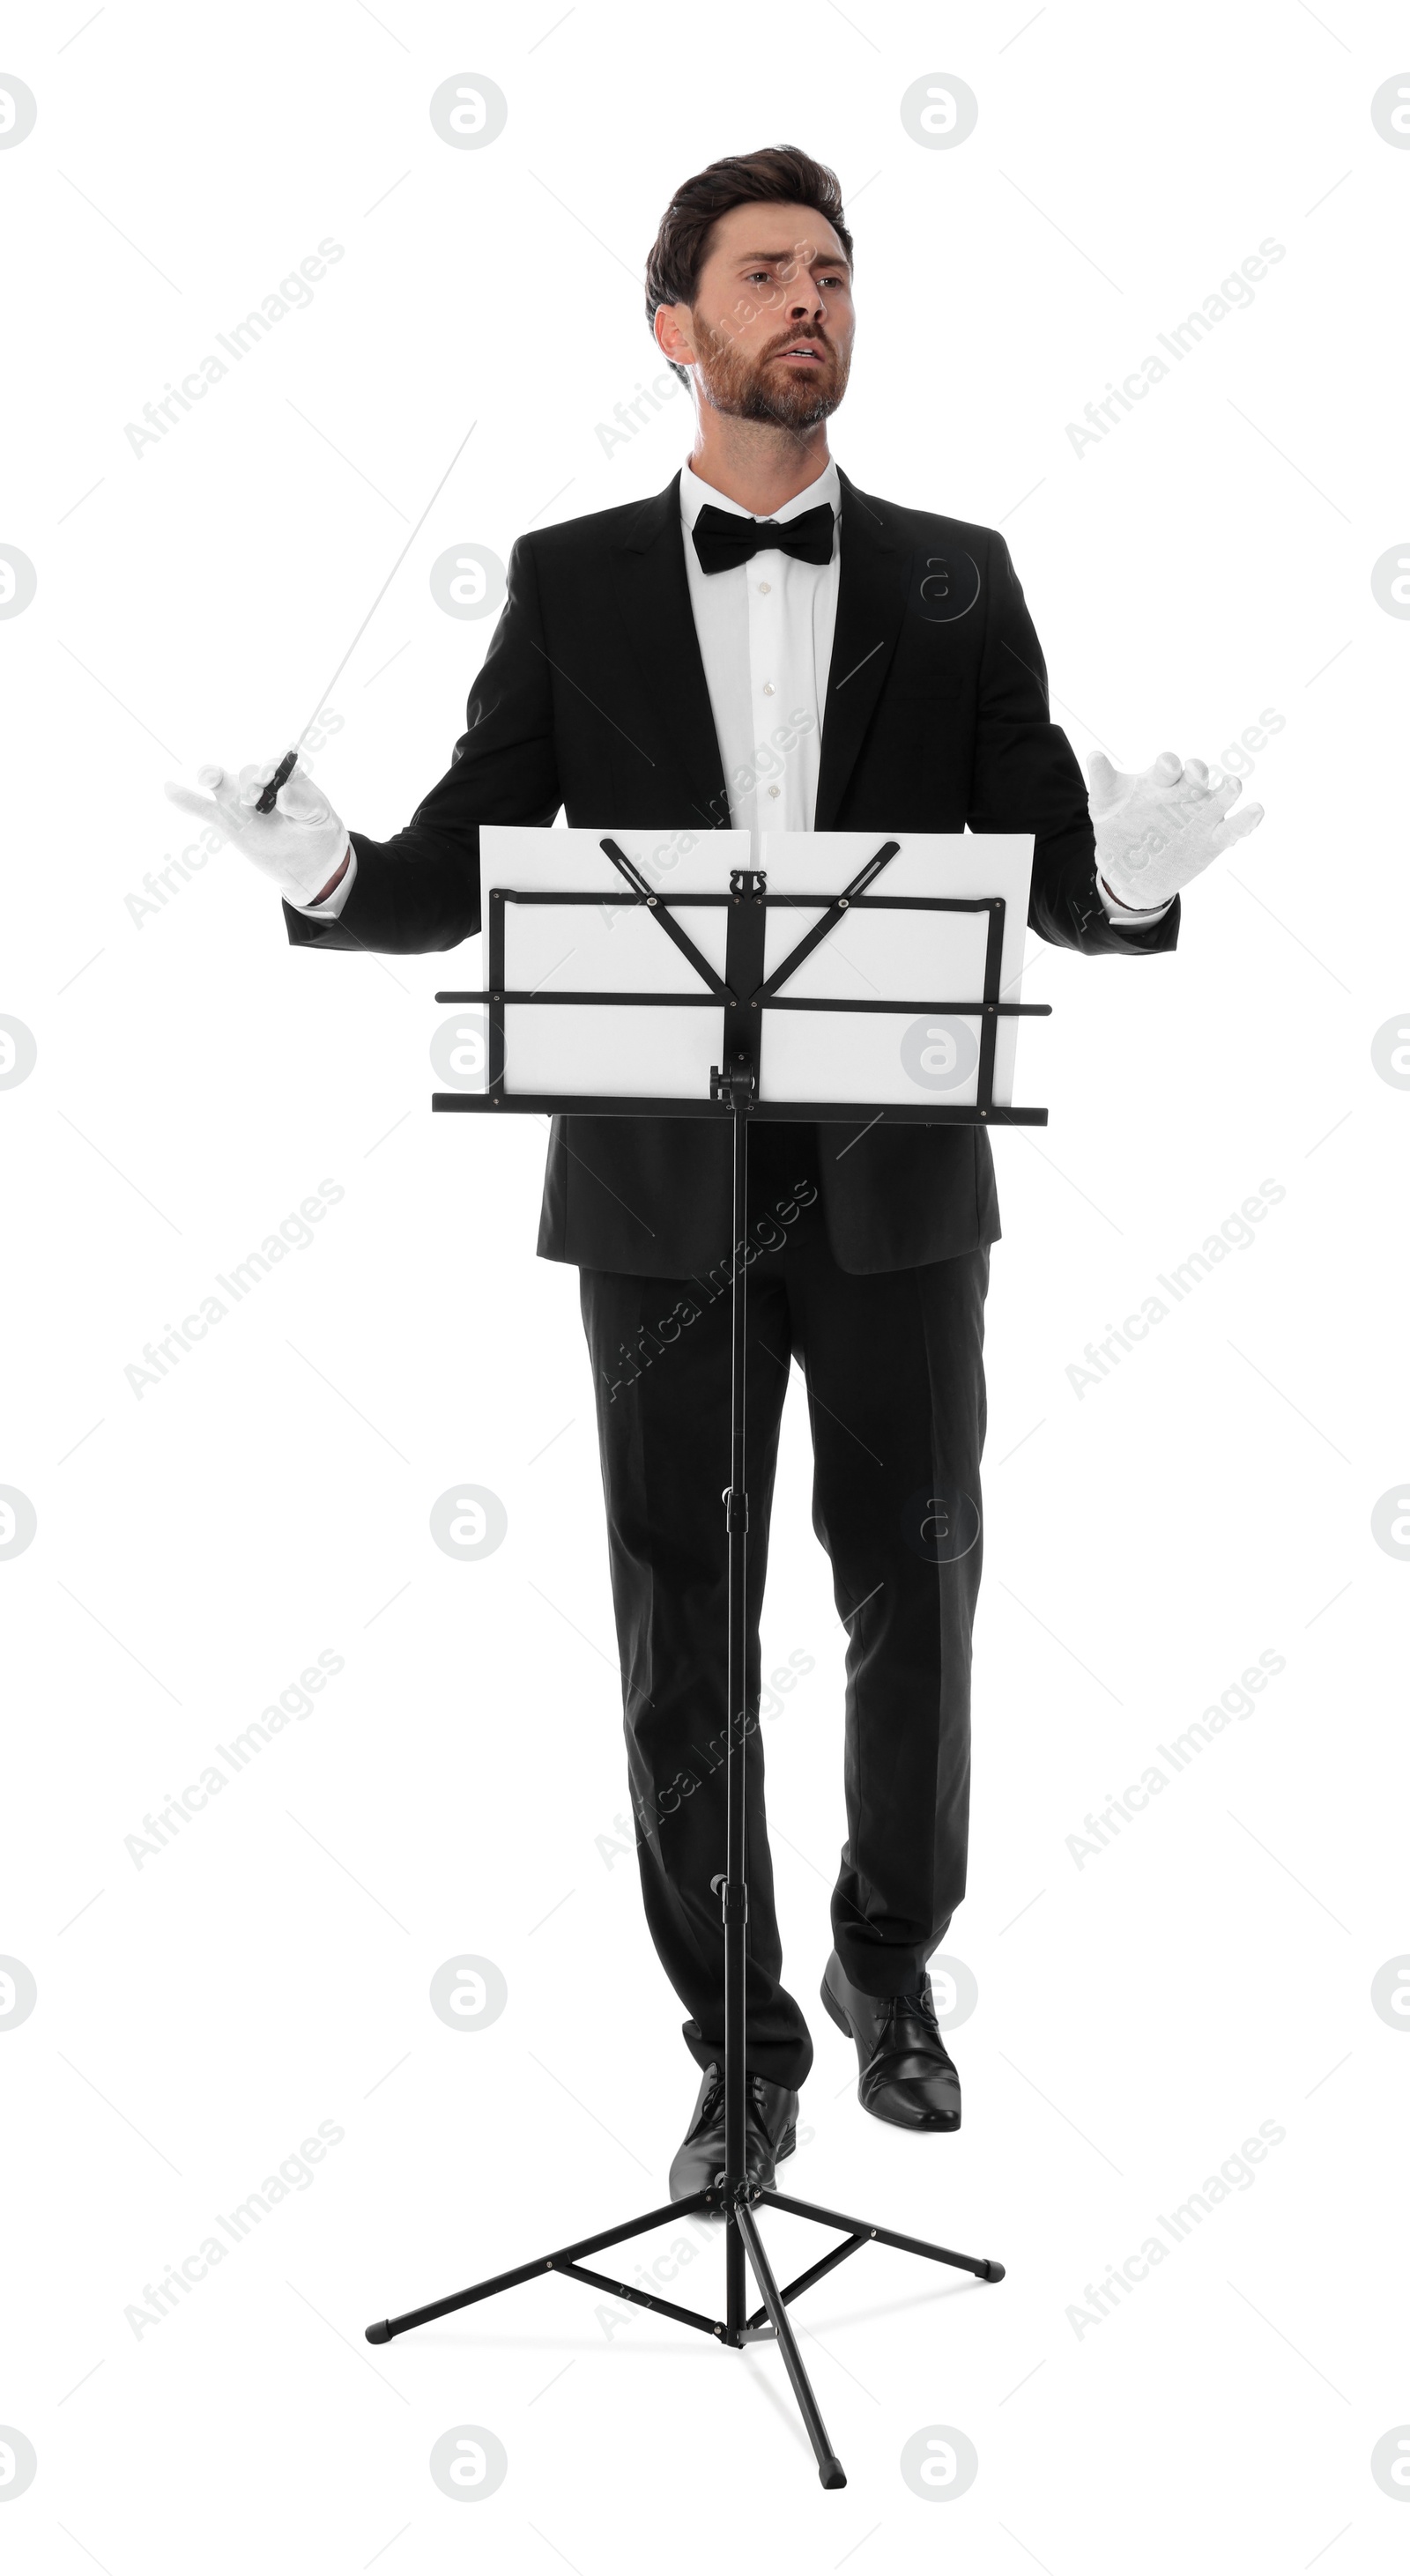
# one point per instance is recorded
(768, 2323)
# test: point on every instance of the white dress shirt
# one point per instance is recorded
(765, 630)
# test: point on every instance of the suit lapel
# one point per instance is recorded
(648, 570)
(870, 604)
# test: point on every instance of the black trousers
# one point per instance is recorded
(893, 1364)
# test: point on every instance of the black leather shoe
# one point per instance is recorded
(770, 2133)
(907, 2074)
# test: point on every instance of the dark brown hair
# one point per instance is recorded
(779, 175)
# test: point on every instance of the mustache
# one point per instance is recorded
(792, 337)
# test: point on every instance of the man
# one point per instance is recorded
(847, 664)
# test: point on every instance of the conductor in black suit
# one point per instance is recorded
(764, 644)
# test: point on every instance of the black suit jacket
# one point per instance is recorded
(592, 699)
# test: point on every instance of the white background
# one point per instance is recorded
(454, 1789)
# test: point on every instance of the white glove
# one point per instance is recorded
(299, 843)
(1157, 830)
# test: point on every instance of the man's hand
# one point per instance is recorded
(300, 843)
(1157, 830)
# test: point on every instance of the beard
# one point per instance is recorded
(751, 388)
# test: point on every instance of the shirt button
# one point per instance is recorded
(773, 791)
(764, 589)
(768, 688)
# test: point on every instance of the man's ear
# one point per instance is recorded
(670, 324)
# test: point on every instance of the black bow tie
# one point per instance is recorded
(721, 539)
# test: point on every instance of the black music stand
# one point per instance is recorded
(744, 995)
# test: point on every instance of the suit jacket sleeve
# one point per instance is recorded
(1026, 779)
(421, 889)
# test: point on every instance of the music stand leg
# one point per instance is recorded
(861, 2232)
(564, 2258)
(830, 2468)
